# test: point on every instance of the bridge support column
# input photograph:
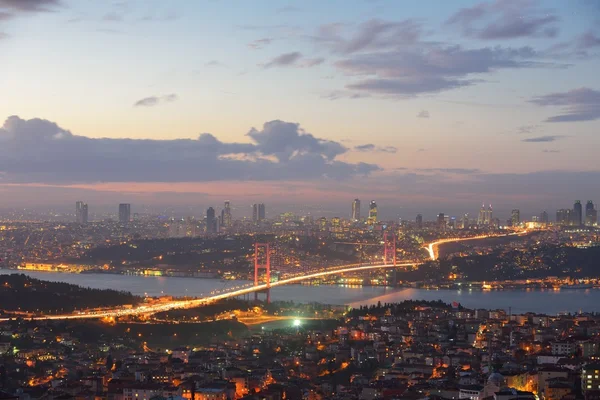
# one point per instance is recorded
(266, 266)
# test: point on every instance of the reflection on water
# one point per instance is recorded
(541, 301)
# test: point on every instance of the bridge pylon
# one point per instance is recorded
(266, 266)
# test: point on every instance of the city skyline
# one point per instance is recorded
(423, 106)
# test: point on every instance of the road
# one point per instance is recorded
(182, 304)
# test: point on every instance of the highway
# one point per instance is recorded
(240, 291)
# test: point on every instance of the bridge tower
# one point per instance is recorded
(389, 250)
(266, 266)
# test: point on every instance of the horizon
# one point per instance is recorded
(424, 110)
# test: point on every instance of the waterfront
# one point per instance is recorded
(542, 301)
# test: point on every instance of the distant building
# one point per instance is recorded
(485, 216)
(441, 220)
(482, 214)
(124, 213)
(465, 221)
(577, 213)
(226, 215)
(81, 212)
(356, 210)
(372, 213)
(515, 217)
(544, 217)
(419, 221)
(258, 212)
(564, 216)
(590, 377)
(591, 214)
(211, 221)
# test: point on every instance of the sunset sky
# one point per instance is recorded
(424, 106)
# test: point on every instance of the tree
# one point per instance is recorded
(109, 362)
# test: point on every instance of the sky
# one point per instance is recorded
(425, 107)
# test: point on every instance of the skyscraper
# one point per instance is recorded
(372, 213)
(488, 216)
(356, 210)
(577, 213)
(124, 213)
(515, 218)
(441, 220)
(482, 214)
(211, 222)
(81, 212)
(226, 215)
(591, 215)
(544, 217)
(258, 212)
(419, 221)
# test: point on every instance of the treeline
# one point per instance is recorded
(20, 292)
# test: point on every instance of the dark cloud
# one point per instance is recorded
(505, 19)
(374, 34)
(5, 16)
(40, 151)
(423, 114)
(259, 43)
(155, 100)
(371, 147)
(582, 104)
(284, 60)
(543, 139)
(312, 62)
(30, 5)
(431, 68)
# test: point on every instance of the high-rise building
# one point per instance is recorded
(515, 217)
(591, 214)
(258, 212)
(488, 216)
(124, 213)
(356, 210)
(577, 213)
(419, 221)
(81, 212)
(465, 221)
(372, 213)
(226, 215)
(441, 220)
(564, 216)
(211, 221)
(544, 217)
(482, 214)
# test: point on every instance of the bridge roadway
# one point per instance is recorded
(182, 304)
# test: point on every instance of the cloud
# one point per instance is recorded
(430, 68)
(550, 151)
(113, 17)
(30, 5)
(543, 139)
(293, 59)
(588, 40)
(40, 151)
(284, 60)
(214, 63)
(259, 43)
(423, 114)
(155, 100)
(374, 34)
(582, 104)
(505, 19)
(458, 171)
(371, 147)
(523, 129)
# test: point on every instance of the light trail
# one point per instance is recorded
(182, 304)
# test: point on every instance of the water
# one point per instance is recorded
(541, 301)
